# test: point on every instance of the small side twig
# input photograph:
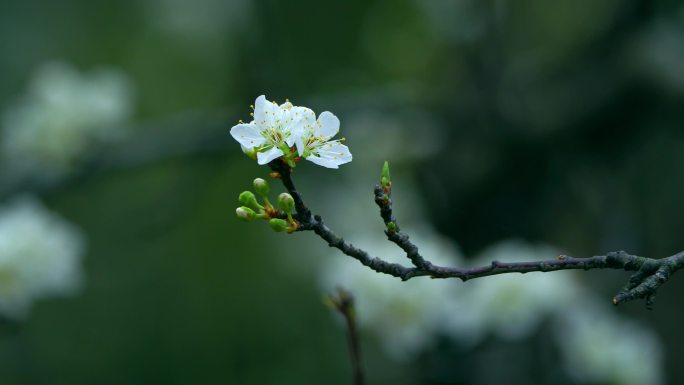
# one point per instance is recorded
(343, 302)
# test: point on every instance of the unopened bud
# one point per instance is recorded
(248, 199)
(385, 180)
(391, 227)
(278, 225)
(286, 202)
(261, 187)
(245, 213)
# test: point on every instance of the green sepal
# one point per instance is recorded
(251, 153)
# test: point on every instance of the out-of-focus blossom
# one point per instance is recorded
(62, 115)
(658, 55)
(407, 317)
(40, 256)
(199, 20)
(601, 348)
(460, 20)
(512, 306)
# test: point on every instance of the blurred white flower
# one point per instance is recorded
(600, 347)
(460, 20)
(408, 316)
(61, 115)
(40, 256)
(511, 306)
(199, 20)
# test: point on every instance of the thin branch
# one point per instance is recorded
(650, 273)
(343, 303)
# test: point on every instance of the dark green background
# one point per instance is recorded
(563, 123)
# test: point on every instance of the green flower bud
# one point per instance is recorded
(245, 213)
(261, 187)
(391, 227)
(248, 199)
(251, 153)
(278, 225)
(385, 180)
(286, 202)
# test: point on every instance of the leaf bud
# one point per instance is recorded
(385, 180)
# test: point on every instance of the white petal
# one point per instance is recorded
(265, 157)
(328, 125)
(247, 134)
(299, 140)
(329, 163)
(259, 104)
(331, 154)
(265, 112)
(300, 121)
(292, 136)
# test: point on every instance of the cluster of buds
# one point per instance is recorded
(280, 218)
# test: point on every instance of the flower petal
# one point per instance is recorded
(328, 125)
(265, 157)
(247, 134)
(325, 162)
(265, 112)
(333, 154)
(299, 140)
(302, 121)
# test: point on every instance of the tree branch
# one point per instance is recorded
(650, 273)
(343, 303)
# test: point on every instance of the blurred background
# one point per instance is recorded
(515, 131)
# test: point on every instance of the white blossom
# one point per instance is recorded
(61, 115)
(315, 143)
(407, 317)
(599, 347)
(40, 256)
(274, 129)
(277, 128)
(512, 306)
